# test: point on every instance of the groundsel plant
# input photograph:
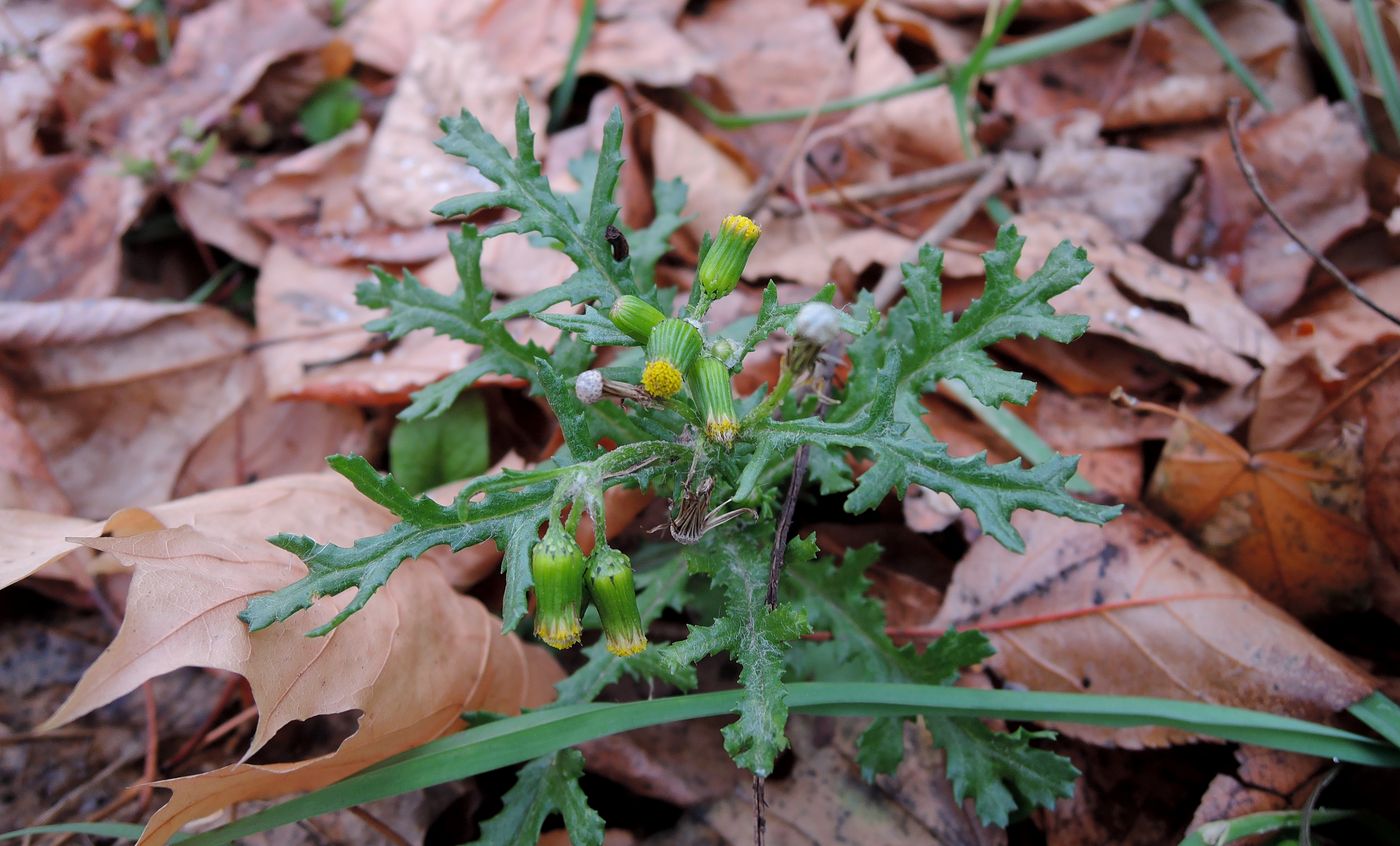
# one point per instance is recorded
(652, 379)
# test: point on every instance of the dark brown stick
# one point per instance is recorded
(1251, 178)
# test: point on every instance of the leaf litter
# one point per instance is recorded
(167, 439)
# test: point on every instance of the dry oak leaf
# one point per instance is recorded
(1291, 524)
(1220, 338)
(637, 42)
(322, 505)
(1320, 353)
(1130, 608)
(182, 611)
(1310, 163)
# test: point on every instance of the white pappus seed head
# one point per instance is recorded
(817, 323)
(589, 386)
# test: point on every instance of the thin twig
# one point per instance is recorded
(760, 825)
(379, 825)
(909, 183)
(952, 220)
(775, 564)
(1251, 178)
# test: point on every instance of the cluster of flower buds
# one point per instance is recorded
(561, 577)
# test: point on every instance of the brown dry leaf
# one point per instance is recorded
(182, 611)
(75, 252)
(312, 339)
(405, 173)
(25, 478)
(213, 215)
(1125, 188)
(718, 185)
(1176, 77)
(915, 130)
(528, 38)
(824, 801)
(1310, 163)
(682, 763)
(1221, 335)
(322, 505)
(1267, 780)
(636, 41)
(1289, 523)
(1319, 358)
(806, 249)
(117, 415)
(634, 182)
(1130, 608)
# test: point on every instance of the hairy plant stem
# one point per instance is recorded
(764, 410)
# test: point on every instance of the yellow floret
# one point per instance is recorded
(661, 379)
(629, 646)
(557, 633)
(741, 226)
(722, 431)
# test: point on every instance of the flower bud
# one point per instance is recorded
(614, 594)
(710, 386)
(588, 387)
(724, 262)
(671, 350)
(635, 317)
(722, 349)
(557, 565)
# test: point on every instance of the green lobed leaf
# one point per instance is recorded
(544, 786)
(524, 188)
(997, 770)
(753, 635)
(592, 327)
(569, 411)
(652, 242)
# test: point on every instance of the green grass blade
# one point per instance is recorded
(1267, 822)
(966, 76)
(517, 739)
(1378, 56)
(1381, 714)
(559, 104)
(1336, 62)
(1191, 10)
(1087, 31)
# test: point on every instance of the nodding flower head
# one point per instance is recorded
(671, 350)
(635, 317)
(614, 593)
(818, 323)
(557, 565)
(724, 262)
(713, 393)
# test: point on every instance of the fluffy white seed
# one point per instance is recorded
(589, 386)
(817, 323)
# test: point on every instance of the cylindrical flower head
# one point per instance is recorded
(557, 564)
(711, 388)
(614, 594)
(635, 317)
(671, 350)
(724, 263)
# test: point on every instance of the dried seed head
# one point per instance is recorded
(589, 386)
(817, 323)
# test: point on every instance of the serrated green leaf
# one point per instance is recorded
(592, 327)
(542, 787)
(649, 244)
(569, 411)
(455, 445)
(1000, 770)
(523, 187)
(754, 635)
(880, 748)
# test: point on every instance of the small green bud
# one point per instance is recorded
(722, 349)
(710, 385)
(557, 565)
(724, 263)
(635, 317)
(671, 350)
(615, 595)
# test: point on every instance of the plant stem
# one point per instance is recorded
(1378, 56)
(764, 410)
(1337, 63)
